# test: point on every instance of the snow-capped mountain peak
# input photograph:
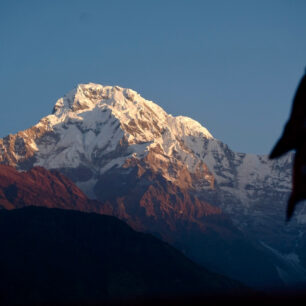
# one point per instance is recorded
(111, 136)
(107, 127)
(125, 104)
(88, 96)
(110, 123)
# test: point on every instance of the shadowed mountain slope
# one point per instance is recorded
(57, 256)
(200, 230)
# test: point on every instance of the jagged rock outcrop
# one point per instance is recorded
(40, 187)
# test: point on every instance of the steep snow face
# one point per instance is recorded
(109, 124)
(142, 120)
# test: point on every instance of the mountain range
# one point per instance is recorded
(168, 176)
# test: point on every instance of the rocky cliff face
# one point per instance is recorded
(157, 171)
(40, 187)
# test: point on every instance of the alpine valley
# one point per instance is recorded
(170, 177)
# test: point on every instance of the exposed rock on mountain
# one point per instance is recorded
(40, 187)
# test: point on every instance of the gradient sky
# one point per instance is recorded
(231, 65)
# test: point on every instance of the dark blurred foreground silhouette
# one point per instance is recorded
(294, 138)
(66, 257)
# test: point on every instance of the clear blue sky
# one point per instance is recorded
(231, 65)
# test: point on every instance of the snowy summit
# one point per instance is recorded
(110, 128)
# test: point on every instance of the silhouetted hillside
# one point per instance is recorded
(54, 255)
